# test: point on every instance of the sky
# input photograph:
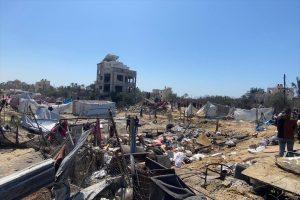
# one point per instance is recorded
(204, 47)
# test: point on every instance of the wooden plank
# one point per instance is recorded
(267, 172)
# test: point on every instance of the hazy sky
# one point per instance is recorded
(197, 47)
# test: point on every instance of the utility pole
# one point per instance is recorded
(284, 90)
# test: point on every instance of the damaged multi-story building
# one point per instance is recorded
(114, 76)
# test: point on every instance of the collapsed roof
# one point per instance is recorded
(111, 57)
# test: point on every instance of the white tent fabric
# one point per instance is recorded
(44, 113)
(45, 125)
(250, 115)
(190, 110)
(93, 108)
(24, 95)
(25, 103)
(211, 110)
(63, 108)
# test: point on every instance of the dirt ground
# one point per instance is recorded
(13, 160)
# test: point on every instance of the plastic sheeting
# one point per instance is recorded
(61, 186)
(44, 113)
(190, 110)
(250, 115)
(99, 190)
(211, 110)
(45, 124)
(63, 108)
(93, 108)
(25, 103)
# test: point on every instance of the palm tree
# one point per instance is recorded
(296, 86)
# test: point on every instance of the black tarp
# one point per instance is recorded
(169, 187)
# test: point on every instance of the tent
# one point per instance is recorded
(63, 108)
(190, 110)
(211, 110)
(25, 103)
(44, 113)
(44, 124)
(45, 120)
(250, 115)
(90, 108)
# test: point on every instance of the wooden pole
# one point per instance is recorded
(284, 90)
(132, 129)
(217, 126)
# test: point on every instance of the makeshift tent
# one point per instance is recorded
(93, 108)
(44, 124)
(211, 110)
(25, 103)
(44, 113)
(63, 108)
(190, 110)
(24, 95)
(250, 115)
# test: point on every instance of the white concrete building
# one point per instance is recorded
(114, 76)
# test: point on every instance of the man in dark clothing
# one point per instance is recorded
(286, 128)
(141, 112)
(136, 123)
(127, 122)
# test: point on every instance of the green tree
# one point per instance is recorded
(277, 102)
(252, 98)
(126, 98)
(169, 96)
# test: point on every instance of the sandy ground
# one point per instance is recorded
(13, 160)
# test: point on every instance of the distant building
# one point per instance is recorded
(160, 94)
(114, 76)
(16, 84)
(279, 88)
(296, 103)
(42, 85)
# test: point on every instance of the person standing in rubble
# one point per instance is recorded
(155, 116)
(286, 128)
(136, 124)
(111, 129)
(141, 112)
(127, 122)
